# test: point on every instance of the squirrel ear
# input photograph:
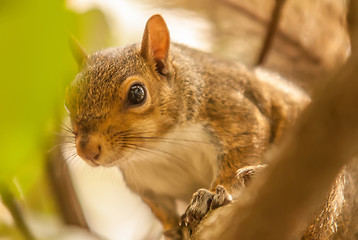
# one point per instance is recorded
(155, 42)
(78, 52)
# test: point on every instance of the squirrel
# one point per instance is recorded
(174, 120)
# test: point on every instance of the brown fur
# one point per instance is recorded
(240, 114)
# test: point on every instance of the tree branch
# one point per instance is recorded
(279, 203)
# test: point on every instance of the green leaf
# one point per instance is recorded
(34, 65)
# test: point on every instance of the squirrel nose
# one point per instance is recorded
(88, 148)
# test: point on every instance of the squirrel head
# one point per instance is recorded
(122, 100)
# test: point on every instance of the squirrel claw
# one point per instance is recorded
(198, 207)
(220, 198)
(245, 174)
(202, 202)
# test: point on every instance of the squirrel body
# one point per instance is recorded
(175, 119)
(203, 111)
(186, 165)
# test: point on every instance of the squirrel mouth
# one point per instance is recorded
(92, 163)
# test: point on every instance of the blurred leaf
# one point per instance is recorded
(10, 232)
(34, 60)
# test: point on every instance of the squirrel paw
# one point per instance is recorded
(202, 202)
(245, 174)
(221, 197)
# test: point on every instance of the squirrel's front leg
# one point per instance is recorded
(164, 208)
(204, 200)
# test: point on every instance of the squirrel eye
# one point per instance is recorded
(137, 94)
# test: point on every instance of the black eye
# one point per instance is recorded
(137, 94)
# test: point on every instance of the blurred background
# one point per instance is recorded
(45, 192)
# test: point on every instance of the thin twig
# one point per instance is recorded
(271, 31)
(10, 203)
(280, 33)
(63, 190)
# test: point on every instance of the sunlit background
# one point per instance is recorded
(37, 66)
